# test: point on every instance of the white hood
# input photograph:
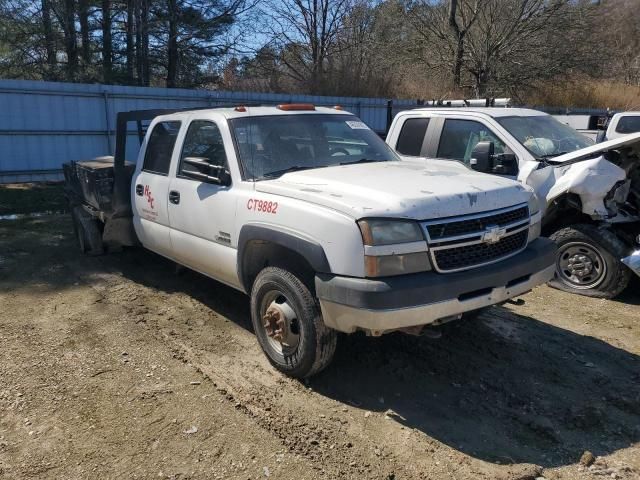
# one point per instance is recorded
(405, 189)
(631, 140)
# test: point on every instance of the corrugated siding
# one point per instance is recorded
(44, 124)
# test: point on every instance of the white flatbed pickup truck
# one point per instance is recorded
(589, 194)
(312, 215)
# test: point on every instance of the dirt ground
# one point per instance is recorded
(123, 367)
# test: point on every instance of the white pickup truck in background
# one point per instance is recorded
(589, 194)
(621, 124)
(312, 215)
(601, 128)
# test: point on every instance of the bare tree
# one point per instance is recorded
(107, 46)
(49, 40)
(618, 31)
(70, 38)
(306, 33)
(130, 35)
(83, 17)
(443, 27)
(514, 42)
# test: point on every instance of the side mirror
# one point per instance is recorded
(505, 164)
(482, 157)
(207, 172)
(601, 136)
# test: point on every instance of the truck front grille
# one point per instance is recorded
(454, 228)
(480, 253)
(461, 243)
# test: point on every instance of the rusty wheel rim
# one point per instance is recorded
(279, 322)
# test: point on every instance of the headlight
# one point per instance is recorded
(534, 204)
(389, 232)
(389, 265)
(535, 226)
(393, 247)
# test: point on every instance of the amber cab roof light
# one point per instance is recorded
(338, 107)
(240, 108)
(289, 107)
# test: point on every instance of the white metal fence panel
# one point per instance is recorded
(44, 124)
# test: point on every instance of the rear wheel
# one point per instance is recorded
(87, 232)
(588, 262)
(288, 324)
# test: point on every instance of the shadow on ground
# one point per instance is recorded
(504, 388)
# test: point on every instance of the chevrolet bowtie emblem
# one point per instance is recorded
(493, 234)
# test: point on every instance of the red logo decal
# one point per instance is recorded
(147, 193)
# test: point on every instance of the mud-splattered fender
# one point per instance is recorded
(591, 180)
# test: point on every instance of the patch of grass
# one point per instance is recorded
(586, 93)
(32, 197)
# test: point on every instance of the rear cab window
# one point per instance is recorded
(411, 136)
(157, 157)
(628, 124)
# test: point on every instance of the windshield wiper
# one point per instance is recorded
(362, 160)
(293, 168)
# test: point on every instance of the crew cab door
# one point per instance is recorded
(451, 138)
(201, 213)
(459, 137)
(150, 188)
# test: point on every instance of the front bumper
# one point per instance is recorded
(382, 305)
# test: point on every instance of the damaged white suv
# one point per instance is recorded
(589, 194)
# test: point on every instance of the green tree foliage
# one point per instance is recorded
(136, 42)
(426, 49)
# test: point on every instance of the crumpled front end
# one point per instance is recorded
(605, 177)
(591, 180)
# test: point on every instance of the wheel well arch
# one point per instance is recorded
(562, 211)
(260, 246)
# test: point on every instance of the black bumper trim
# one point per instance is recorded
(429, 287)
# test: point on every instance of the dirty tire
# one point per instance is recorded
(616, 276)
(78, 230)
(317, 342)
(87, 232)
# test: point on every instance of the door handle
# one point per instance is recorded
(174, 197)
(139, 190)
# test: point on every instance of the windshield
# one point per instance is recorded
(544, 136)
(271, 146)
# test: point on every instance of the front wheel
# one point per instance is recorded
(588, 262)
(288, 324)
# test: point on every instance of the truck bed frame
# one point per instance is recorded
(99, 190)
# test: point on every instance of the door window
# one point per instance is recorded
(628, 124)
(411, 136)
(204, 141)
(459, 138)
(157, 158)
